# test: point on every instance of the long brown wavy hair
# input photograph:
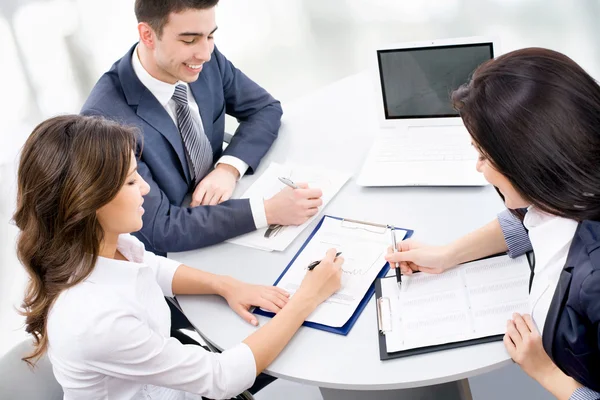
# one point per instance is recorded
(70, 166)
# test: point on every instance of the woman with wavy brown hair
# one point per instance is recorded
(95, 301)
(534, 117)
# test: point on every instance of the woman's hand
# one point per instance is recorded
(414, 256)
(323, 281)
(241, 296)
(524, 345)
(318, 284)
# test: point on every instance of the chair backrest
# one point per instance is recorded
(19, 381)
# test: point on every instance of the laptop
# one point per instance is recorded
(422, 140)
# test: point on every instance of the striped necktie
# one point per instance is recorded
(197, 145)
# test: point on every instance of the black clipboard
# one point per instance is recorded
(381, 318)
(383, 353)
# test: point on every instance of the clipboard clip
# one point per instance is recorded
(384, 315)
(368, 226)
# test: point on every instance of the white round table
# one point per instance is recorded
(334, 128)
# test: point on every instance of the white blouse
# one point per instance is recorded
(109, 337)
(551, 238)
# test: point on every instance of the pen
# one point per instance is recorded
(313, 264)
(288, 182)
(398, 272)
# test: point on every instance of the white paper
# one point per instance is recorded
(363, 249)
(471, 301)
(330, 182)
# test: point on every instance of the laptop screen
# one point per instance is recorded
(417, 82)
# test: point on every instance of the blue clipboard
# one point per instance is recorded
(343, 330)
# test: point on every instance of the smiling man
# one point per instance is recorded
(176, 87)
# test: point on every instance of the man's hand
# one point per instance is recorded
(241, 296)
(293, 206)
(216, 187)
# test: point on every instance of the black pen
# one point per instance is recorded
(398, 271)
(313, 264)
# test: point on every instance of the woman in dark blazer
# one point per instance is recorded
(534, 117)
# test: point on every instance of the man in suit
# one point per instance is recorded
(176, 87)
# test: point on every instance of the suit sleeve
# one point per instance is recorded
(515, 235)
(171, 228)
(258, 113)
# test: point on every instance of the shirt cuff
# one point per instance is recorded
(259, 214)
(165, 274)
(515, 235)
(239, 362)
(235, 162)
(584, 393)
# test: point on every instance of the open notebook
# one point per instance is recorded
(466, 305)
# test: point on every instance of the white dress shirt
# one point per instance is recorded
(163, 92)
(551, 238)
(109, 337)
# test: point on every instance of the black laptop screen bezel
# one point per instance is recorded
(490, 45)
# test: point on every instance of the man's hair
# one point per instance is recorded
(156, 12)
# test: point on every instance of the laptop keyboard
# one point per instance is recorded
(417, 146)
(421, 156)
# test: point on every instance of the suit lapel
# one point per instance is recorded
(560, 294)
(556, 307)
(201, 93)
(150, 110)
(539, 287)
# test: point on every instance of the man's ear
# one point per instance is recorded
(147, 35)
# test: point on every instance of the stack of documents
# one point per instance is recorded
(330, 182)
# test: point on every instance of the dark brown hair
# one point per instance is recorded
(70, 166)
(156, 12)
(535, 115)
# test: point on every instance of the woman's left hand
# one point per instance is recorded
(524, 344)
(241, 296)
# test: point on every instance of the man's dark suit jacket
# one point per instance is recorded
(220, 89)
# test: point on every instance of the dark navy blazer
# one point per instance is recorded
(220, 89)
(571, 334)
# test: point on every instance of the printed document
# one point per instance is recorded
(470, 301)
(363, 248)
(278, 238)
